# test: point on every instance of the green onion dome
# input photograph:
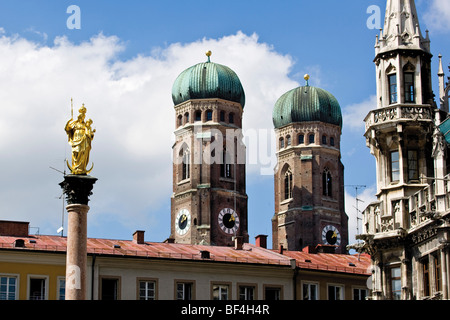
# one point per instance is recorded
(208, 80)
(304, 104)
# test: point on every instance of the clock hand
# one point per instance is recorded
(183, 218)
(232, 218)
(334, 235)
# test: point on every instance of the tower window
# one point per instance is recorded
(413, 168)
(186, 165)
(198, 116)
(332, 141)
(301, 139)
(225, 167)
(288, 185)
(288, 141)
(409, 87)
(327, 183)
(209, 115)
(186, 117)
(281, 143)
(392, 79)
(222, 116)
(324, 139)
(311, 138)
(231, 118)
(179, 120)
(395, 166)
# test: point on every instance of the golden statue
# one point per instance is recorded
(80, 136)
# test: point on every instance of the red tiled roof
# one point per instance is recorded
(249, 254)
(359, 264)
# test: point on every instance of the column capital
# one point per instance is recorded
(78, 188)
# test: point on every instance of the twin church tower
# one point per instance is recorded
(209, 201)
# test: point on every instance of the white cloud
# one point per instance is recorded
(354, 114)
(437, 17)
(130, 103)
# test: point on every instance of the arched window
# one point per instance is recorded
(209, 115)
(332, 141)
(231, 117)
(311, 138)
(186, 117)
(324, 139)
(327, 183)
(222, 116)
(186, 163)
(281, 143)
(198, 115)
(288, 185)
(391, 72)
(288, 140)
(301, 139)
(392, 80)
(179, 120)
(225, 166)
(408, 79)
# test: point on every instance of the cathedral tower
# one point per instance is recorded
(209, 201)
(309, 177)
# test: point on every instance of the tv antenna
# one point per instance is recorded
(357, 200)
(61, 197)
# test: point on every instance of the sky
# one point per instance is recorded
(122, 61)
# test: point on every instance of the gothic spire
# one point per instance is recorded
(402, 28)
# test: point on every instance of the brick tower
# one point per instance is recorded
(309, 178)
(209, 201)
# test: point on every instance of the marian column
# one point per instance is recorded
(77, 187)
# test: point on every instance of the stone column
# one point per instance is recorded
(77, 189)
(444, 270)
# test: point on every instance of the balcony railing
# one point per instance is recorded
(398, 112)
(408, 212)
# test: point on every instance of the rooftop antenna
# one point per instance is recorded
(61, 229)
(357, 200)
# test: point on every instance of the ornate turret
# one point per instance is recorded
(401, 28)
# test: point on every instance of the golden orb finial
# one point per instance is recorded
(208, 54)
(306, 77)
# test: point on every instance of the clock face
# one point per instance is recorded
(228, 220)
(182, 222)
(331, 235)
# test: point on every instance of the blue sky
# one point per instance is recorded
(122, 63)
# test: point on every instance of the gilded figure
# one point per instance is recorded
(80, 135)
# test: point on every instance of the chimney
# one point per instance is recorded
(238, 242)
(138, 237)
(309, 249)
(280, 249)
(14, 228)
(261, 241)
